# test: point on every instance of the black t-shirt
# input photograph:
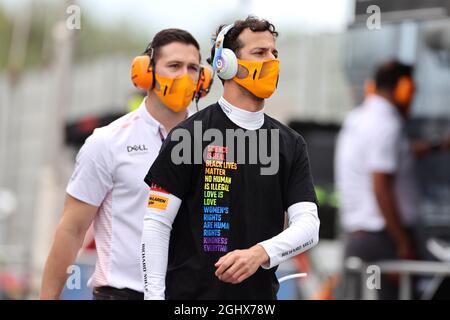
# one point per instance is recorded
(227, 205)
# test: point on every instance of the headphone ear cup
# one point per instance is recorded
(229, 65)
(204, 82)
(141, 72)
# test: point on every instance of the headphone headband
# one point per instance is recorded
(149, 51)
(217, 64)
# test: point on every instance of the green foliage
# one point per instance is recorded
(91, 40)
(94, 39)
(5, 37)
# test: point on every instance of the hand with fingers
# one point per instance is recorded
(238, 265)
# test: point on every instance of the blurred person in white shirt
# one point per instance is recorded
(374, 167)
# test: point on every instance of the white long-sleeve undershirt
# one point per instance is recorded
(302, 234)
(155, 245)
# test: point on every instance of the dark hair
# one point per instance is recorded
(167, 36)
(231, 40)
(388, 73)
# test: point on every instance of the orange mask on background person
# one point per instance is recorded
(258, 77)
(404, 91)
(176, 93)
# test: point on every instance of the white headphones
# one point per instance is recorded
(225, 61)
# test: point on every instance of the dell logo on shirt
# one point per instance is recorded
(137, 148)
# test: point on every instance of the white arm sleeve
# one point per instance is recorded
(301, 235)
(155, 242)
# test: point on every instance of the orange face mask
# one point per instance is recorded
(258, 77)
(175, 93)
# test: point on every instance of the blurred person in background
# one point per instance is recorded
(375, 177)
(107, 186)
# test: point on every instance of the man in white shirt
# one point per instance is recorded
(375, 174)
(107, 186)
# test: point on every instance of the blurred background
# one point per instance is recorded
(61, 77)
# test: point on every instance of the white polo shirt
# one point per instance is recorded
(373, 139)
(109, 173)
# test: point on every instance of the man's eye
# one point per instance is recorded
(196, 69)
(173, 66)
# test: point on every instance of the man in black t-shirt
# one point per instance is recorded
(222, 183)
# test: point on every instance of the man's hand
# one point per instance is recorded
(383, 187)
(238, 265)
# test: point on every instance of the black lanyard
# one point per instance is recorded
(160, 134)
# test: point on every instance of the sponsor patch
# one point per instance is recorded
(157, 202)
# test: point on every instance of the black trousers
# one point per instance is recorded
(371, 247)
(110, 293)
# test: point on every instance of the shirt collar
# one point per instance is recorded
(155, 125)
